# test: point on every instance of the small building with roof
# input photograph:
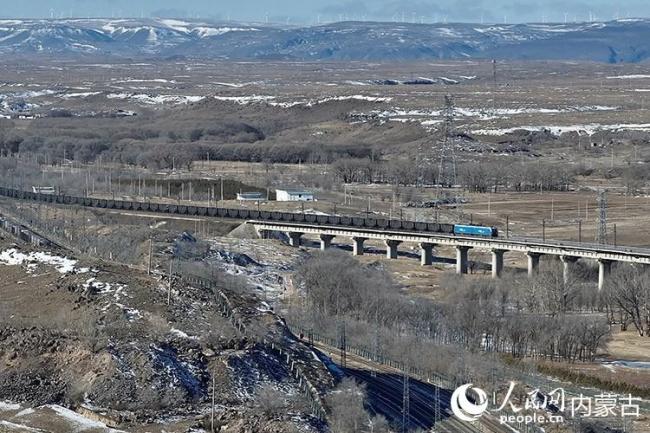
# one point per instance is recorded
(251, 196)
(294, 195)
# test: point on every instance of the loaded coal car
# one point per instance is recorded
(472, 230)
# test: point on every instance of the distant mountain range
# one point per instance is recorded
(613, 42)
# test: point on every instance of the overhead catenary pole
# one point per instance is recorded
(552, 209)
(169, 286)
(406, 401)
(601, 233)
(579, 230)
(150, 256)
(213, 404)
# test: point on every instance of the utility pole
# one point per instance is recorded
(507, 226)
(212, 415)
(342, 344)
(552, 209)
(150, 256)
(375, 347)
(436, 407)
(406, 402)
(579, 230)
(601, 234)
(544, 230)
(169, 288)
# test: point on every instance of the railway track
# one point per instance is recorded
(231, 213)
(385, 392)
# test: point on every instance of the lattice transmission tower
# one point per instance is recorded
(447, 173)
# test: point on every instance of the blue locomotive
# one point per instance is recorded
(469, 230)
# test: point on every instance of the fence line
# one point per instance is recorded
(317, 405)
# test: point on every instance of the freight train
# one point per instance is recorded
(245, 214)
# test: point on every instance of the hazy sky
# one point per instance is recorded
(313, 11)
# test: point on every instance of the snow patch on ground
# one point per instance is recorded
(588, 129)
(271, 100)
(25, 412)
(143, 98)
(78, 95)
(115, 291)
(153, 80)
(79, 422)
(7, 406)
(312, 102)
(10, 426)
(628, 77)
(181, 334)
(245, 100)
(13, 257)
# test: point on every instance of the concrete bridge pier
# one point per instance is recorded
(391, 248)
(604, 269)
(426, 253)
(533, 263)
(294, 238)
(497, 263)
(462, 259)
(326, 241)
(357, 246)
(567, 261)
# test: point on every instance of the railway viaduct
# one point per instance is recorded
(391, 232)
(568, 252)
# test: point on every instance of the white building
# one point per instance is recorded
(251, 196)
(293, 195)
(49, 190)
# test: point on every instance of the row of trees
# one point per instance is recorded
(546, 321)
(627, 298)
(482, 176)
